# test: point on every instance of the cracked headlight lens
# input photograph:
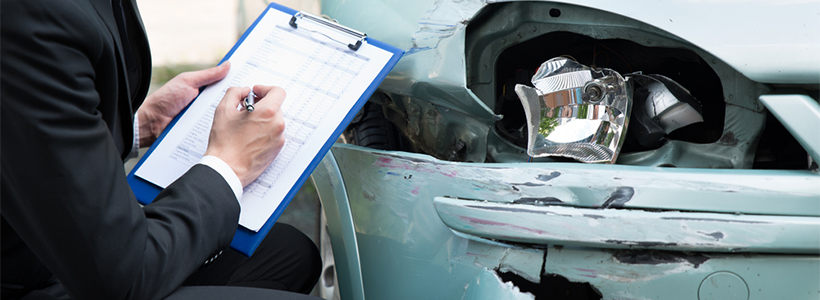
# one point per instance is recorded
(576, 111)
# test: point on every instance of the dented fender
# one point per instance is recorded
(391, 243)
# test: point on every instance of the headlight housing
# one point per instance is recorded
(576, 111)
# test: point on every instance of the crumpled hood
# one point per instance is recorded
(767, 41)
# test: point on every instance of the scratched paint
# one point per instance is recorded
(682, 231)
(441, 21)
(548, 177)
(478, 221)
(397, 230)
(394, 203)
(386, 162)
(619, 197)
(659, 257)
(593, 185)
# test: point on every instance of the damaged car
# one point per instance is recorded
(581, 150)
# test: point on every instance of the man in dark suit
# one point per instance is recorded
(73, 74)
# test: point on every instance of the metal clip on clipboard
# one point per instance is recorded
(340, 31)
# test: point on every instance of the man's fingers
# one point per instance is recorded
(272, 95)
(208, 76)
(247, 142)
(234, 96)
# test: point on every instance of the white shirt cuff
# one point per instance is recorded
(135, 143)
(223, 169)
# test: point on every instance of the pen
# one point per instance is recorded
(249, 101)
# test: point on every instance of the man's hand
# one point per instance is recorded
(163, 105)
(248, 141)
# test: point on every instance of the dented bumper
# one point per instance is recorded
(629, 228)
(402, 227)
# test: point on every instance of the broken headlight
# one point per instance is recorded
(576, 111)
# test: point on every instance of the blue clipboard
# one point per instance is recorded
(246, 241)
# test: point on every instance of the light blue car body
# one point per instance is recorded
(444, 226)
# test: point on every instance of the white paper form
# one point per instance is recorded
(323, 80)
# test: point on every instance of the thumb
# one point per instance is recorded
(234, 95)
(208, 76)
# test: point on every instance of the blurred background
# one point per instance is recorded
(188, 35)
(200, 32)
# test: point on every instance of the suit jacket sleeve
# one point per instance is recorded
(63, 184)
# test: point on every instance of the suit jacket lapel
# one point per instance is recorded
(104, 10)
(128, 101)
(142, 51)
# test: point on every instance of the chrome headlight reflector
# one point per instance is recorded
(576, 111)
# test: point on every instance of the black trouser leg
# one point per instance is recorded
(285, 260)
(233, 293)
